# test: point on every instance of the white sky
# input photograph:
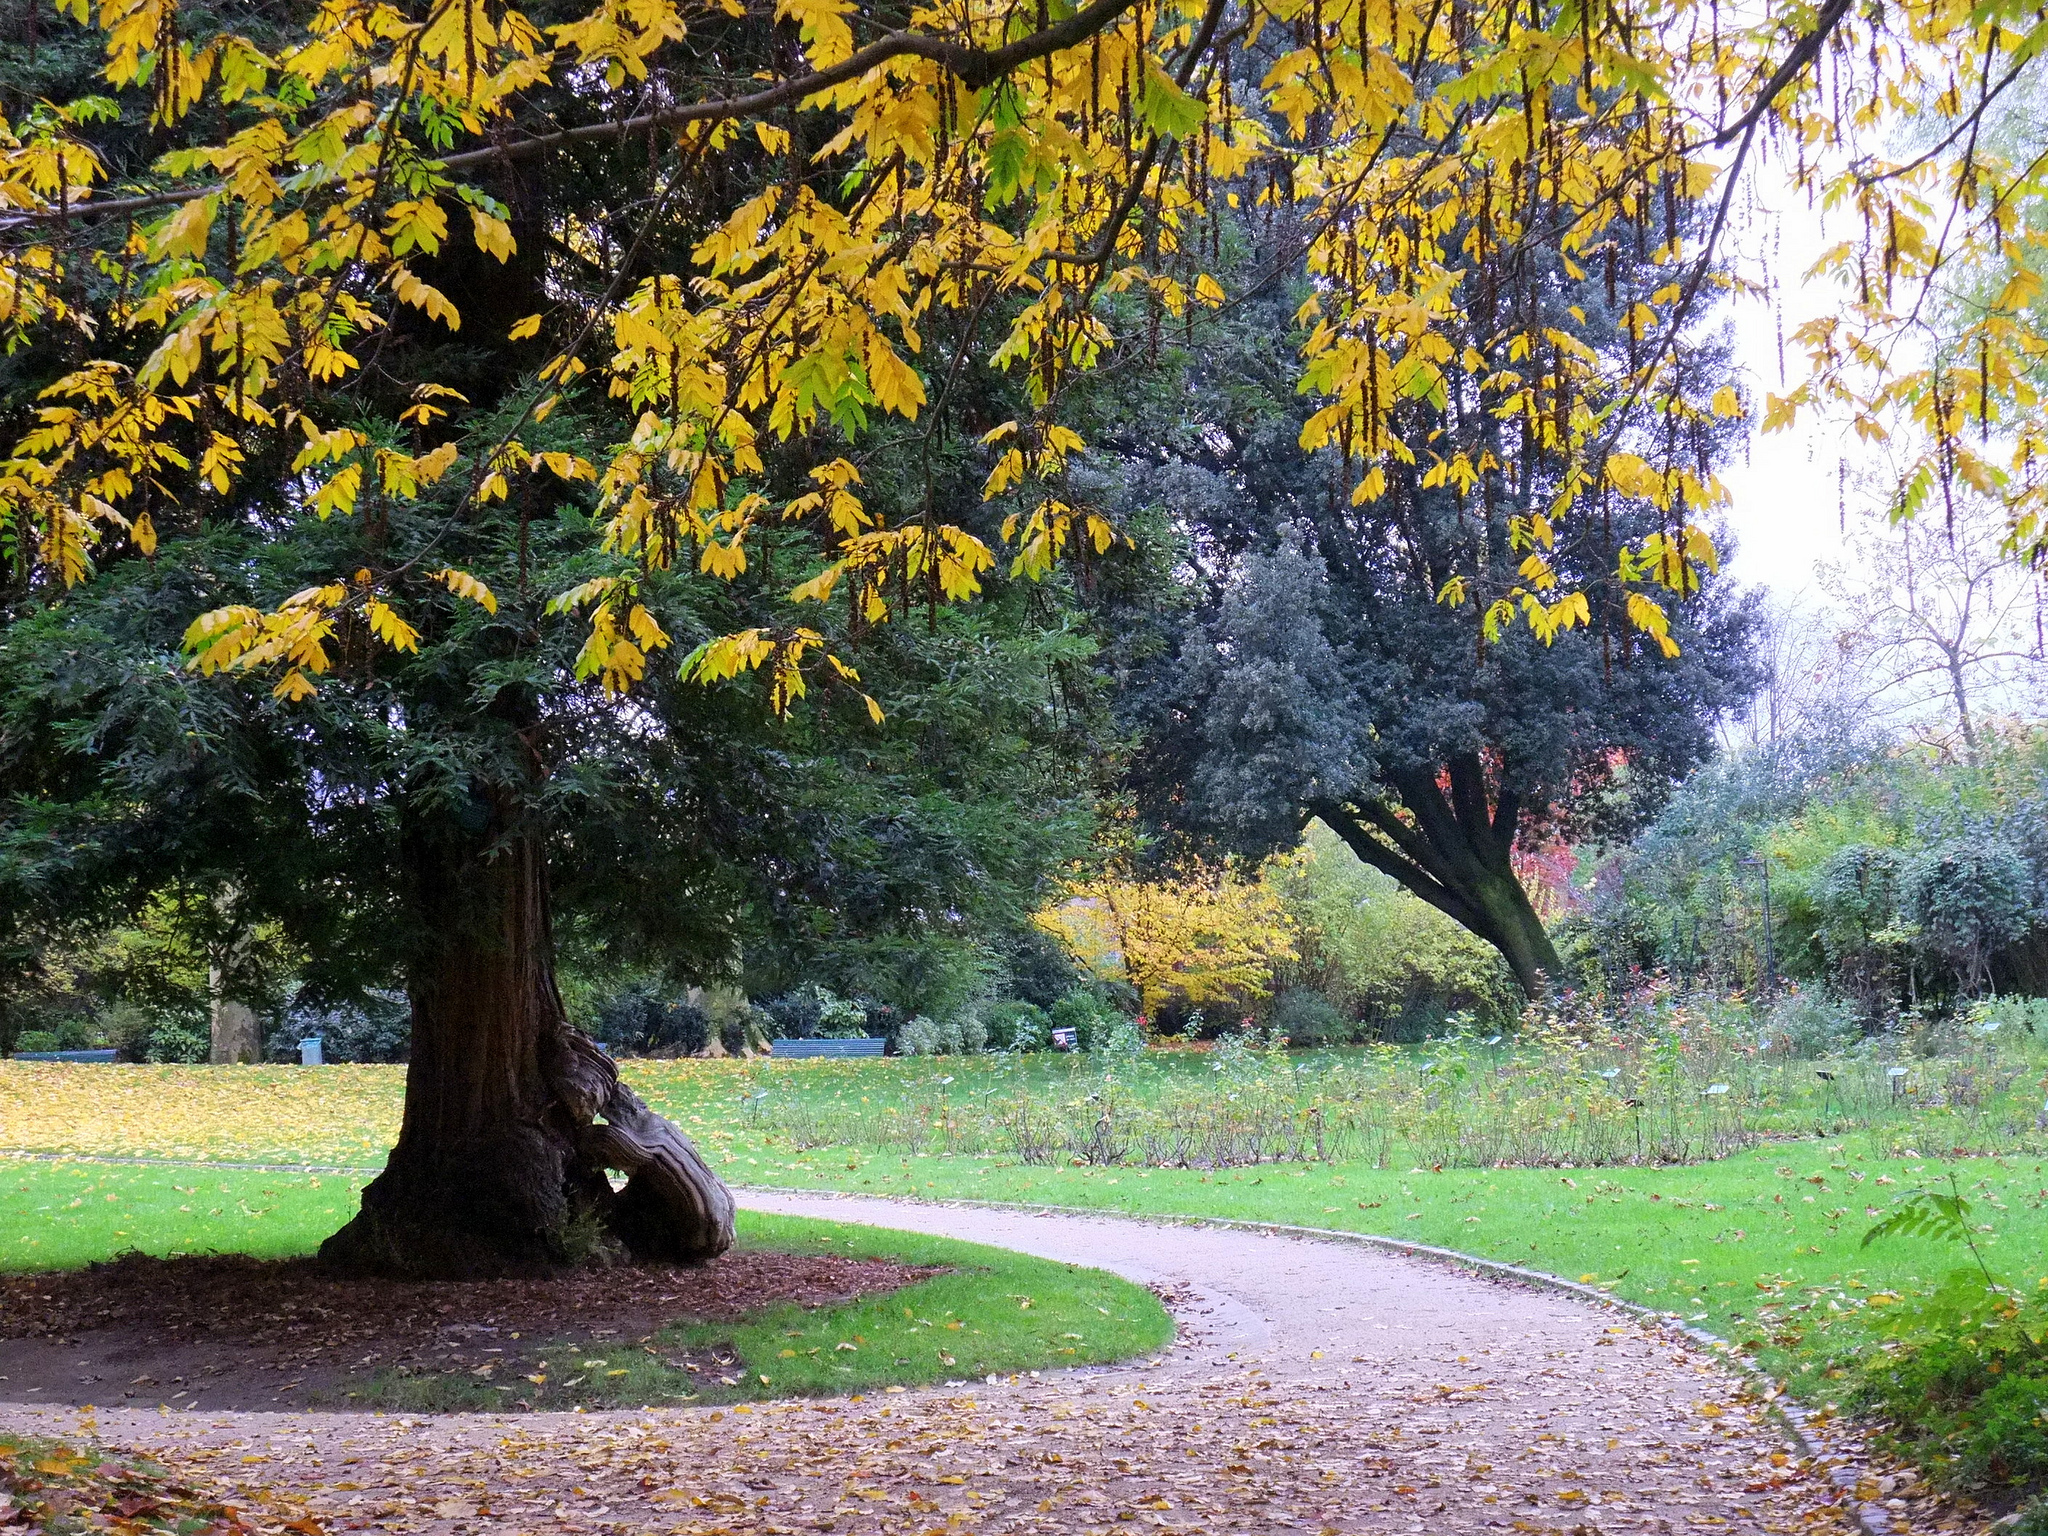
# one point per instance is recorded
(1786, 508)
(1788, 492)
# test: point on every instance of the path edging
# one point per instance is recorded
(1795, 1421)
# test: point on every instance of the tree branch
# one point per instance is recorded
(1356, 825)
(1802, 54)
(973, 67)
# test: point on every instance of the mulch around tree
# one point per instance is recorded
(242, 1333)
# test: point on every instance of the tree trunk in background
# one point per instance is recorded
(234, 1033)
(500, 1163)
(1454, 849)
(1512, 927)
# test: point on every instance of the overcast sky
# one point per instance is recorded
(1786, 508)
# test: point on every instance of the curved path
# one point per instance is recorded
(1315, 1387)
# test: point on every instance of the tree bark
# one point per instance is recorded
(234, 1034)
(513, 1116)
(1454, 848)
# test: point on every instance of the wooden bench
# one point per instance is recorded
(869, 1045)
(94, 1057)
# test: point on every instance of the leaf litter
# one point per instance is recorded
(1313, 1388)
(1519, 1443)
(240, 1333)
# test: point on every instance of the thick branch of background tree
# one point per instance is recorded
(973, 67)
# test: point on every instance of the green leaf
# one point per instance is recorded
(1167, 109)
(1924, 1213)
(1007, 152)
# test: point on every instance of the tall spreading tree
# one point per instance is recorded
(380, 291)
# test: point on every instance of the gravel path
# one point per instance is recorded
(1315, 1386)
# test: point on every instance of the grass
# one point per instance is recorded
(61, 1215)
(1764, 1248)
(341, 1116)
(1745, 1245)
(1684, 1080)
(1738, 1196)
(998, 1312)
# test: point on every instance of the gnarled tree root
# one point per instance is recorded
(533, 1195)
(673, 1206)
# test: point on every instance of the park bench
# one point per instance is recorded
(870, 1045)
(85, 1056)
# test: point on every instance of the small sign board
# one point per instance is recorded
(1066, 1039)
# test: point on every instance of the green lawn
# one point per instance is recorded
(1745, 1245)
(59, 1215)
(1763, 1247)
(999, 1312)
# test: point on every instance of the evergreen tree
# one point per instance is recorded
(1346, 657)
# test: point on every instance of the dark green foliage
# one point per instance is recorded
(1308, 1018)
(1036, 967)
(170, 1043)
(1969, 899)
(1087, 1015)
(1312, 669)
(717, 835)
(373, 1028)
(1963, 1384)
(812, 1012)
(743, 1031)
(1900, 880)
(795, 1014)
(688, 835)
(1855, 900)
(1856, 894)
(883, 1019)
(1016, 1026)
(135, 1033)
(639, 1022)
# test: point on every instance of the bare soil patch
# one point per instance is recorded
(230, 1332)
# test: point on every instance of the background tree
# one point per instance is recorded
(1902, 877)
(1946, 622)
(1203, 938)
(1321, 671)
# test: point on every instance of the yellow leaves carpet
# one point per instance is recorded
(1315, 1387)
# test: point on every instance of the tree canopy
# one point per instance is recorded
(236, 241)
(1319, 671)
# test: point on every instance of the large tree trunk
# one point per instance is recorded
(1455, 850)
(512, 1116)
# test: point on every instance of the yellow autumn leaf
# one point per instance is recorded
(293, 687)
(464, 585)
(493, 235)
(387, 626)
